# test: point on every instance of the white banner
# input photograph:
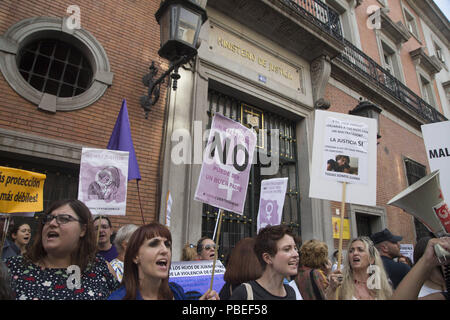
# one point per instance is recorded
(344, 150)
(271, 202)
(103, 181)
(436, 137)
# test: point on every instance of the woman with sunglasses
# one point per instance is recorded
(62, 263)
(205, 249)
(146, 267)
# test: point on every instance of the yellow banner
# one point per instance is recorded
(21, 191)
(336, 228)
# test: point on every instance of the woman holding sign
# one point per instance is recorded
(62, 263)
(146, 267)
(364, 275)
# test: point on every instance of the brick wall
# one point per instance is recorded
(129, 34)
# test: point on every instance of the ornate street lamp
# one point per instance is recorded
(180, 22)
(368, 110)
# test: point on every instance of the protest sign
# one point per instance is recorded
(344, 150)
(226, 165)
(336, 221)
(21, 191)
(436, 137)
(103, 181)
(271, 202)
(407, 250)
(196, 275)
(169, 202)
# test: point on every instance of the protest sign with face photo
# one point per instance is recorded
(344, 150)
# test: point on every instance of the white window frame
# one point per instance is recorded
(426, 89)
(411, 22)
(382, 42)
(348, 21)
(439, 52)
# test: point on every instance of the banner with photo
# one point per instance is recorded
(103, 181)
(344, 150)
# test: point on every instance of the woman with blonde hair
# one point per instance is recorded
(364, 276)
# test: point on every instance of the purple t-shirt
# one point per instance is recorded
(110, 254)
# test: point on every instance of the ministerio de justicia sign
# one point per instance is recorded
(269, 68)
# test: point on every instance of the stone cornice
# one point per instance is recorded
(396, 31)
(429, 64)
(430, 13)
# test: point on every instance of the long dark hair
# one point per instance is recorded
(243, 264)
(130, 278)
(86, 248)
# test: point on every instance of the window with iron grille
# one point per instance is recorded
(414, 172)
(55, 67)
(235, 226)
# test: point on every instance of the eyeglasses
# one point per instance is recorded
(209, 246)
(60, 219)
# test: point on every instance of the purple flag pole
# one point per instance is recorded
(121, 140)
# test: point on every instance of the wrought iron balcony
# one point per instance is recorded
(320, 13)
(362, 63)
(328, 19)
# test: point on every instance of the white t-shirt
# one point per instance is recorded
(424, 291)
(298, 296)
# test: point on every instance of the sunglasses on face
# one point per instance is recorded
(209, 246)
(60, 219)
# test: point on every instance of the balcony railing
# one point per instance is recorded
(328, 20)
(359, 61)
(320, 14)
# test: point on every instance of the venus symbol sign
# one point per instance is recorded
(226, 165)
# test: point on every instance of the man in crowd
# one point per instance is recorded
(106, 249)
(389, 248)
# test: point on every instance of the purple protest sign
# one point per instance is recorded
(226, 165)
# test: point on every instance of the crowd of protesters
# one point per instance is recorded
(72, 258)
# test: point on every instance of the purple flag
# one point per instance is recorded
(121, 140)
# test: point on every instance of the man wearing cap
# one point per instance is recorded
(389, 248)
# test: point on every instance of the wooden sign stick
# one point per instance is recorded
(216, 248)
(5, 231)
(341, 232)
(98, 231)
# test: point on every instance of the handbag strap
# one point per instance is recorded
(249, 289)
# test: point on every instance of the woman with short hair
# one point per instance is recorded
(276, 250)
